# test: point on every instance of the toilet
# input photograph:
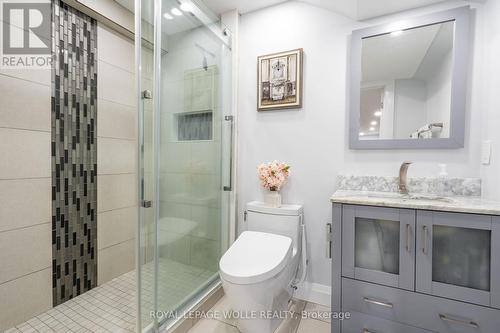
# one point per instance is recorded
(258, 270)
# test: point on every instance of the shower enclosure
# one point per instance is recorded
(183, 66)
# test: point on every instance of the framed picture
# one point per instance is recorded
(279, 78)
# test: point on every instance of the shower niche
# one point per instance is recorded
(196, 120)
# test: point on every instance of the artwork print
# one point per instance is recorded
(280, 80)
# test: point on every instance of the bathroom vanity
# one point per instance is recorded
(415, 263)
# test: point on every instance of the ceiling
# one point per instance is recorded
(388, 57)
(172, 26)
(355, 9)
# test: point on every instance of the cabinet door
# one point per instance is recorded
(456, 257)
(378, 245)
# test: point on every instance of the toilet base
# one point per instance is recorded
(261, 307)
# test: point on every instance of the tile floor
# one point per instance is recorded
(308, 317)
(111, 306)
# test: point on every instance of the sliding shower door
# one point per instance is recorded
(146, 231)
(191, 181)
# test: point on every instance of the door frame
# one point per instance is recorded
(406, 218)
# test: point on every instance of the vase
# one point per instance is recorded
(273, 198)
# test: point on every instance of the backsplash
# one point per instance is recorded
(424, 185)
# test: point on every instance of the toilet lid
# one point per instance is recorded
(255, 257)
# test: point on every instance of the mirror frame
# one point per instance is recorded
(459, 80)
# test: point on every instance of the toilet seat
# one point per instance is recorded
(255, 257)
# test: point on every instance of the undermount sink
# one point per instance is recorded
(416, 196)
(428, 197)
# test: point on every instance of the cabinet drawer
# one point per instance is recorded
(419, 310)
(362, 323)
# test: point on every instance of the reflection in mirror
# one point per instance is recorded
(406, 83)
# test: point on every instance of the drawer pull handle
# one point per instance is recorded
(365, 330)
(458, 321)
(376, 302)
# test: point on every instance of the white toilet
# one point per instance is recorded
(257, 271)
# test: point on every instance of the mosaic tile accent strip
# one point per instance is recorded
(74, 153)
(423, 185)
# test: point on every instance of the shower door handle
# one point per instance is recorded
(230, 186)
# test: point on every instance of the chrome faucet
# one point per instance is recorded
(403, 179)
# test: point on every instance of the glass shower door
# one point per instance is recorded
(191, 218)
(185, 231)
(146, 240)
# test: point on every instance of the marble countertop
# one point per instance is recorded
(460, 204)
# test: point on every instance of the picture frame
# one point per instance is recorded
(279, 80)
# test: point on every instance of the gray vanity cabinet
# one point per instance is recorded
(378, 245)
(458, 257)
(409, 270)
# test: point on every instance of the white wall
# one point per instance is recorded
(313, 140)
(486, 98)
(306, 138)
(438, 95)
(410, 98)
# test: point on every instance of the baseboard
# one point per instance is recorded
(315, 293)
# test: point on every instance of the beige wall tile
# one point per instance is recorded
(25, 154)
(175, 156)
(205, 253)
(116, 226)
(173, 209)
(24, 104)
(115, 48)
(175, 186)
(115, 84)
(205, 190)
(116, 191)
(116, 120)
(174, 246)
(14, 194)
(14, 308)
(206, 156)
(23, 251)
(116, 156)
(208, 222)
(115, 260)
(42, 76)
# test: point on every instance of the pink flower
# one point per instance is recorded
(273, 175)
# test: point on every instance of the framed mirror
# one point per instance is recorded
(408, 83)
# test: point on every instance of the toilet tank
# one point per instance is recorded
(284, 220)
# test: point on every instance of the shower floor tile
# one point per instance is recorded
(111, 307)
